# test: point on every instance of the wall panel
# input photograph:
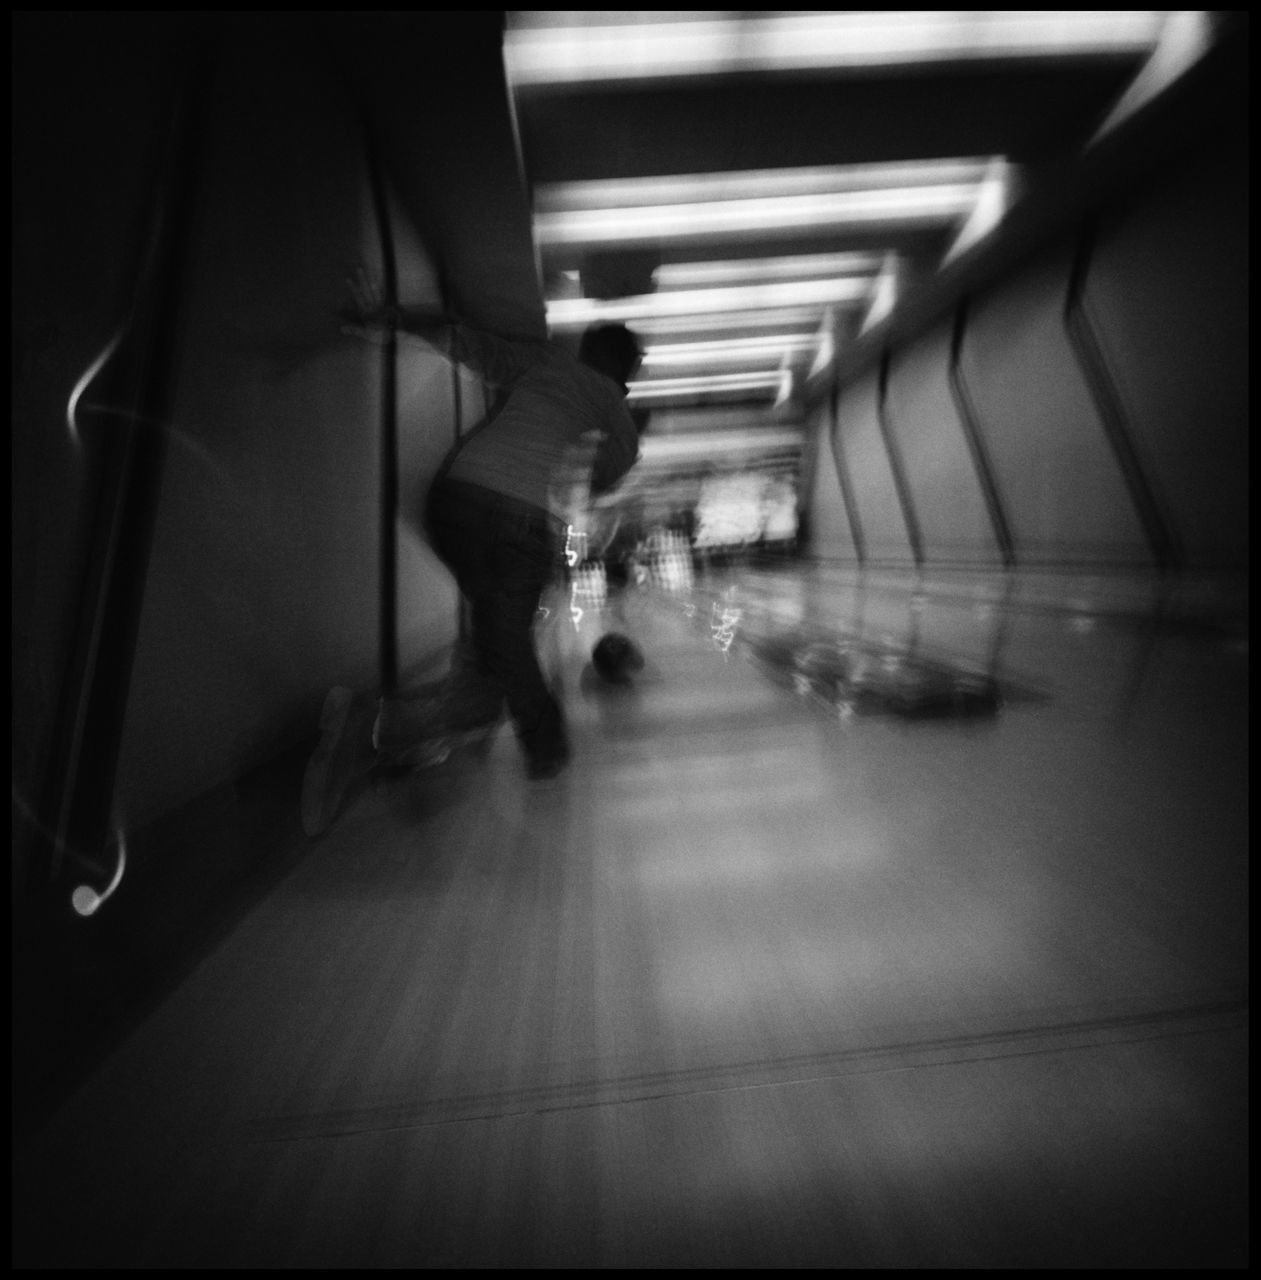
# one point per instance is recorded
(1168, 294)
(428, 603)
(941, 472)
(1066, 499)
(830, 535)
(875, 494)
(263, 588)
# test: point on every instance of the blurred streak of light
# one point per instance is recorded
(574, 312)
(617, 50)
(86, 900)
(612, 194)
(785, 390)
(1185, 37)
(747, 378)
(765, 365)
(805, 318)
(824, 343)
(75, 403)
(884, 293)
(993, 199)
(904, 206)
(731, 351)
(72, 406)
(701, 385)
(804, 266)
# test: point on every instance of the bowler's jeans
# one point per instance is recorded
(503, 554)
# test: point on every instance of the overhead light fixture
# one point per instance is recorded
(801, 266)
(993, 199)
(761, 202)
(761, 322)
(720, 382)
(884, 292)
(1186, 35)
(784, 391)
(700, 303)
(539, 50)
(824, 344)
(752, 184)
(905, 206)
(731, 351)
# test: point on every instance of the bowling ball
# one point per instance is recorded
(616, 658)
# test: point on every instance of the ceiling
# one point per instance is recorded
(751, 191)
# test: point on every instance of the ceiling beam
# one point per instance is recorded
(1030, 114)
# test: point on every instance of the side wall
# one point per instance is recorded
(261, 589)
(1164, 296)
(829, 533)
(263, 586)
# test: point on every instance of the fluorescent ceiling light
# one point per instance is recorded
(824, 343)
(805, 318)
(884, 294)
(691, 275)
(1185, 37)
(700, 303)
(752, 184)
(608, 49)
(907, 206)
(660, 387)
(993, 198)
(732, 351)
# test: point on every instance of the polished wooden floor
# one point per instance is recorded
(753, 984)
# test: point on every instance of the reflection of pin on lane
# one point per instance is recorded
(725, 629)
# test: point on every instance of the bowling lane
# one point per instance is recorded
(754, 983)
(863, 880)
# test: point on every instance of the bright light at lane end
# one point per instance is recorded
(538, 51)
